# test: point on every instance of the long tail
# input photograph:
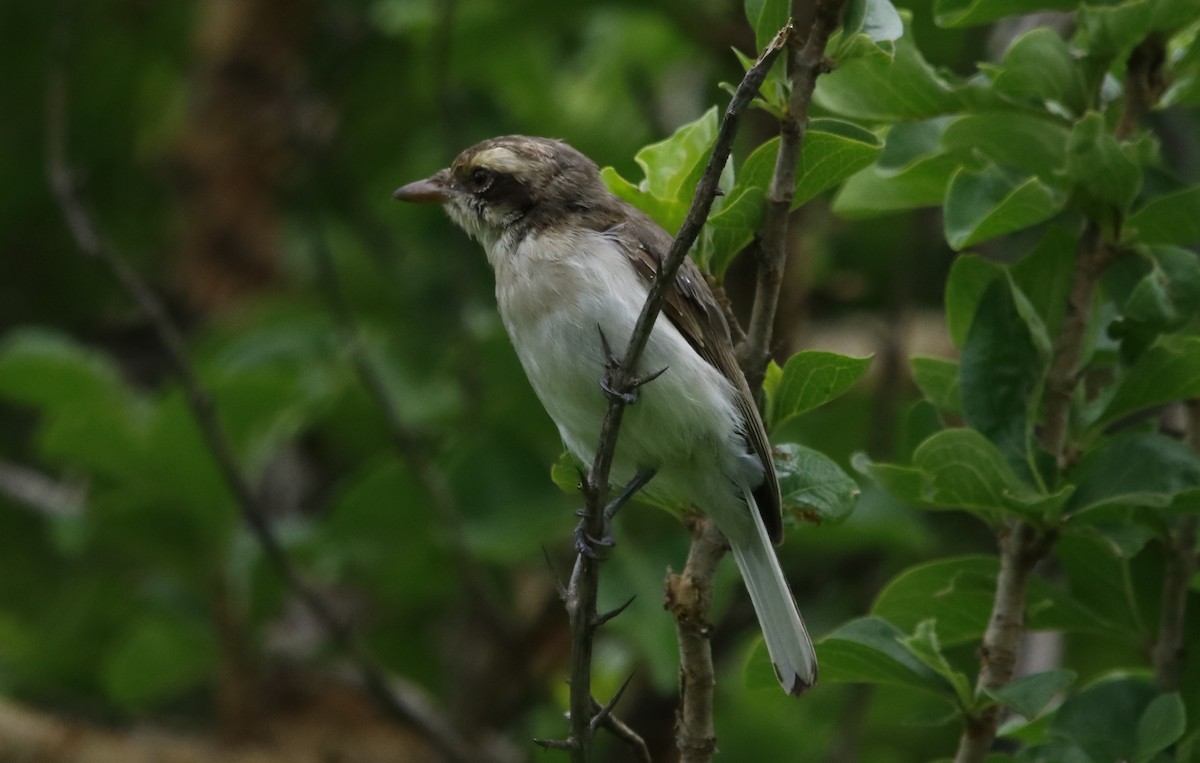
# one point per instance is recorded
(787, 639)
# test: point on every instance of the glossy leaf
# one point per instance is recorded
(970, 276)
(882, 87)
(1039, 66)
(1034, 144)
(1161, 725)
(983, 205)
(958, 593)
(812, 485)
(1165, 372)
(1137, 469)
(869, 650)
(1100, 719)
(1030, 694)
(812, 378)
(1000, 373)
(878, 19)
(1167, 219)
(924, 645)
(1100, 166)
(961, 469)
(937, 379)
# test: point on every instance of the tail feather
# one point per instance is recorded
(783, 629)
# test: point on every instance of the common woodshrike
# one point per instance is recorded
(570, 257)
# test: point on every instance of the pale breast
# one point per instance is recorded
(556, 292)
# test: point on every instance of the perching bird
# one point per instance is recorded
(571, 258)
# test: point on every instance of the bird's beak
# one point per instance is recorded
(434, 189)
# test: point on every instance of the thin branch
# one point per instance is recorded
(689, 599)
(1062, 377)
(582, 589)
(401, 704)
(619, 729)
(689, 596)
(1021, 548)
(804, 67)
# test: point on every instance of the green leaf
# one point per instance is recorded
(1161, 725)
(1100, 718)
(958, 593)
(1099, 576)
(959, 13)
(878, 19)
(869, 650)
(873, 192)
(984, 205)
(924, 645)
(732, 228)
(961, 469)
(1032, 143)
(55, 373)
(1166, 372)
(158, 658)
(1029, 695)
(937, 379)
(566, 473)
(813, 486)
(766, 17)
(970, 276)
(1044, 276)
(812, 378)
(1039, 67)
(1000, 373)
(671, 168)
(833, 151)
(879, 87)
(1134, 469)
(1112, 29)
(1167, 219)
(1099, 165)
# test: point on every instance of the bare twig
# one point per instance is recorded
(581, 591)
(804, 66)
(689, 598)
(1021, 547)
(402, 704)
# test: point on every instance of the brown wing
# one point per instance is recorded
(691, 306)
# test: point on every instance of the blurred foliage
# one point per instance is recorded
(130, 590)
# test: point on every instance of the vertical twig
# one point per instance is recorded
(804, 67)
(689, 599)
(689, 595)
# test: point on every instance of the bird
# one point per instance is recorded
(573, 261)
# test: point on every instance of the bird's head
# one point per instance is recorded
(512, 184)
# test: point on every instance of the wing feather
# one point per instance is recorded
(692, 308)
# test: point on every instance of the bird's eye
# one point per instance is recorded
(481, 178)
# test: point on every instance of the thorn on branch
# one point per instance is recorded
(606, 711)
(601, 619)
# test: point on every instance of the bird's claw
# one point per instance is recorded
(588, 546)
